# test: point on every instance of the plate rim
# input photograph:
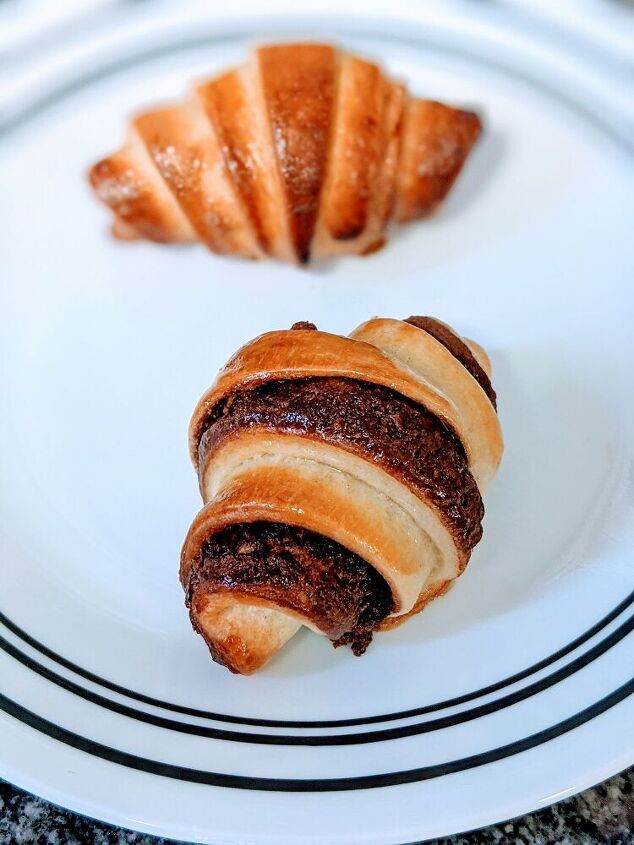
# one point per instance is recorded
(417, 41)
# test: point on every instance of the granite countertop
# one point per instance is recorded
(601, 816)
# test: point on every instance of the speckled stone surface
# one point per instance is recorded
(601, 816)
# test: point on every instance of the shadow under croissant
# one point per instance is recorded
(486, 158)
(543, 528)
(496, 582)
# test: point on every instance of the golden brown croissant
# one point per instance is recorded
(342, 478)
(303, 152)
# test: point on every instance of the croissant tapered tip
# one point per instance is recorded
(437, 140)
(241, 634)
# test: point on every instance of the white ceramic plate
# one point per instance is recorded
(512, 691)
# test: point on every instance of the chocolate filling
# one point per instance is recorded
(304, 325)
(295, 569)
(458, 349)
(371, 421)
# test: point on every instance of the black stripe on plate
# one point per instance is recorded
(387, 734)
(182, 773)
(336, 723)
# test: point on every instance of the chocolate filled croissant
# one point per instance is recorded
(342, 478)
(303, 152)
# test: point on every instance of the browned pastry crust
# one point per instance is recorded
(303, 152)
(336, 472)
(269, 482)
(436, 142)
(421, 356)
(303, 354)
(458, 348)
(372, 422)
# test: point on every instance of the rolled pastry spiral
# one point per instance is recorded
(303, 152)
(342, 481)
